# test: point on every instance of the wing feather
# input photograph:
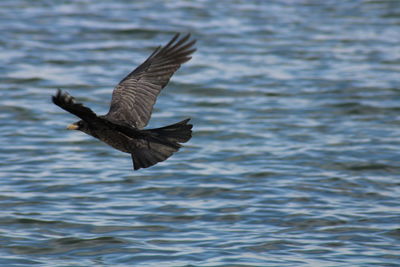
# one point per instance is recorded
(134, 97)
(68, 103)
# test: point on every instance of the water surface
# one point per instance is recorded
(294, 159)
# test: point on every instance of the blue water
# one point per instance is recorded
(294, 159)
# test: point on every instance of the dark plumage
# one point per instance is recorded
(131, 106)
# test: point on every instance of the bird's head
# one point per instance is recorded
(80, 126)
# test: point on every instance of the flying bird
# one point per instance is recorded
(131, 107)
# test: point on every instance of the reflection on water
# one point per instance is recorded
(294, 160)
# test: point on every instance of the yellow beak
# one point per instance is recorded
(72, 127)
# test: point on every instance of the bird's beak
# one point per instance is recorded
(72, 126)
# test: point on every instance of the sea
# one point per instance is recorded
(295, 154)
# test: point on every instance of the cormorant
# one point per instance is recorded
(131, 107)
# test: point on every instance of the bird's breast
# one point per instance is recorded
(115, 139)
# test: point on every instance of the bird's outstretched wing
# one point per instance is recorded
(134, 97)
(67, 102)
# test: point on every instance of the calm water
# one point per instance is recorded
(295, 156)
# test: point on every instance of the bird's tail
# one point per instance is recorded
(160, 143)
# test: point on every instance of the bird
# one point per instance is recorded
(131, 107)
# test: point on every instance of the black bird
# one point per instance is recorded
(131, 106)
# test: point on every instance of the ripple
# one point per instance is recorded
(294, 158)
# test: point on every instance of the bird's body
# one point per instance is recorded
(131, 106)
(110, 136)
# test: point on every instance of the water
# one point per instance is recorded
(295, 154)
